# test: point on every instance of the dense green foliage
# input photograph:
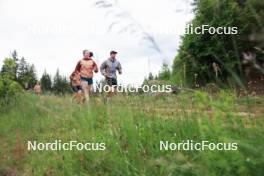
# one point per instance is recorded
(165, 73)
(9, 88)
(9, 68)
(197, 53)
(16, 70)
(60, 84)
(20, 71)
(26, 74)
(46, 82)
(9, 91)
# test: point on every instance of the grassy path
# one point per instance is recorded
(132, 128)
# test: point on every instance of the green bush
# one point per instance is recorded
(9, 90)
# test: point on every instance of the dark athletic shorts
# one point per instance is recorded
(88, 80)
(76, 88)
(111, 81)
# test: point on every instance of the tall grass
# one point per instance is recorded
(132, 127)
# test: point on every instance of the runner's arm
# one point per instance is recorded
(78, 67)
(72, 75)
(102, 68)
(95, 67)
(119, 68)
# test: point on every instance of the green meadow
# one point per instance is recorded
(132, 128)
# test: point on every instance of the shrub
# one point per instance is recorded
(9, 90)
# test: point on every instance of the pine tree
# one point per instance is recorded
(16, 59)
(61, 84)
(165, 72)
(31, 76)
(46, 82)
(150, 77)
(22, 73)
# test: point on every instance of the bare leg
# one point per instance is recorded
(89, 88)
(85, 90)
(78, 97)
(110, 94)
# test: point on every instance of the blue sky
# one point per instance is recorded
(52, 34)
